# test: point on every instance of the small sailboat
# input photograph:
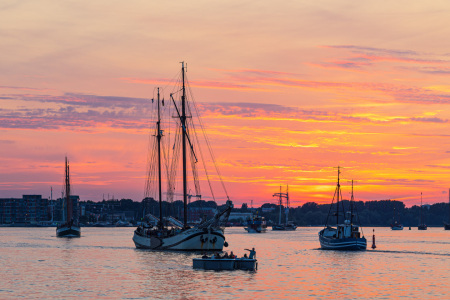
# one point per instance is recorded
(287, 226)
(395, 224)
(170, 233)
(346, 236)
(422, 225)
(447, 225)
(70, 227)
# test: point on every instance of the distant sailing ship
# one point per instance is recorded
(70, 228)
(346, 236)
(171, 234)
(395, 224)
(447, 225)
(287, 226)
(422, 225)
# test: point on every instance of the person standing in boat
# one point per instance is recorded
(252, 254)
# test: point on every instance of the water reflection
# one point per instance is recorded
(104, 263)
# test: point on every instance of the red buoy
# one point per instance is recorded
(373, 240)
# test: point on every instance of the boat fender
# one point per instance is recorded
(225, 244)
(203, 240)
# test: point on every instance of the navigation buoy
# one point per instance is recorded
(373, 240)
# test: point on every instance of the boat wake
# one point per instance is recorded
(410, 252)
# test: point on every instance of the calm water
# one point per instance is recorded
(104, 264)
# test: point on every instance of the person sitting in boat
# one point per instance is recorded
(225, 255)
(217, 255)
(245, 255)
(252, 254)
(232, 255)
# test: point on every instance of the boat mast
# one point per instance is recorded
(68, 200)
(184, 129)
(351, 206)
(421, 222)
(338, 190)
(287, 204)
(158, 137)
(280, 203)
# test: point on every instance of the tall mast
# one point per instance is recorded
(351, 206)
(184, 129)
(287, 204)
(68, 200)
(338, 189)
(158, 136)
(280, 202)
(421, 222)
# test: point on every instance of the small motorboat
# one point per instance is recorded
(226, 262)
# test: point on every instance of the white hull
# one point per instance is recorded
(193, 239)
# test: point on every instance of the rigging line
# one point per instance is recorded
(184, 128)
(331, 206)
(201, 153)
(208, 143)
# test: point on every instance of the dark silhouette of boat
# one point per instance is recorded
(346, 236)
(422, 225)
(70, 228)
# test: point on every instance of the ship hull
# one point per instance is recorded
(251, 229)
(422, 227)
(68, 231)
(397, 227)
(355, 244)
(283, 228)
(189, 240)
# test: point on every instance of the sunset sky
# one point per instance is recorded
(288, 91)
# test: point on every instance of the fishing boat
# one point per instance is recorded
(447, 225)
(256, 224)
(170, 233)
(395, 224)
(346, 236)
(287, 226)
(70, 227)
(422, 225)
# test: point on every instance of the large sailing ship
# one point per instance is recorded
(70, 227)
(170, 233)
(346, 236)
(287, 226)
